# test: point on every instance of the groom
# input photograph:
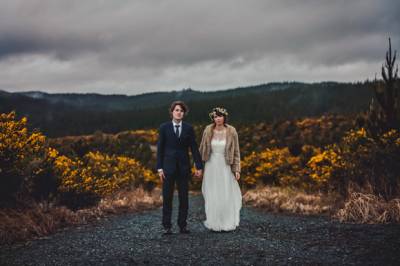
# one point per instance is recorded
(173, 164)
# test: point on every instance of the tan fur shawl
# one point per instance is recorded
(232, 153)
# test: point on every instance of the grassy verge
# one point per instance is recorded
(278, 199)
(42, 219)
(359, 207)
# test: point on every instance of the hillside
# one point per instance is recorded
(77, 114)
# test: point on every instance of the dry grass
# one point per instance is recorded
(126, 201)
(359, 207)
(279, 199)
(369, 208)
(44, 218)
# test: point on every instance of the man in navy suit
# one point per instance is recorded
(173, 164)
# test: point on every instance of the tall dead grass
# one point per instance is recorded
(368, 208)
(278, 199)
(359, 207)
(44, 218)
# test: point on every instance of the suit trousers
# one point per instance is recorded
(182, 182)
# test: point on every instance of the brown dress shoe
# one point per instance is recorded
(184, 230)
(167, 231)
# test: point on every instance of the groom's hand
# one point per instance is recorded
(161, 175)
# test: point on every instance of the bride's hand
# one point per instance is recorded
(198, 173)
(237, 175)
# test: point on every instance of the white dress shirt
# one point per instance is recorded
(180, 126)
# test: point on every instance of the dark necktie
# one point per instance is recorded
(177, 130)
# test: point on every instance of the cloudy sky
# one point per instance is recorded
(131, 47)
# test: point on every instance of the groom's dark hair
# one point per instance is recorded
(184, 107)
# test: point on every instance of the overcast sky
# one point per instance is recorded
(131, 47)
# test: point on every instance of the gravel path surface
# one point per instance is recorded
(261, 239)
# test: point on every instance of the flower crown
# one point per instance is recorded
(217, 111)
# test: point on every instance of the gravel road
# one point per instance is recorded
(261, 239)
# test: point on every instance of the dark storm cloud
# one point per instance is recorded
(167, 44)
(15, 44)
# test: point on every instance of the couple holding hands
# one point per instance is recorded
(217, 160)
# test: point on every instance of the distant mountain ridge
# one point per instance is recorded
(145, 100)
(63, 114)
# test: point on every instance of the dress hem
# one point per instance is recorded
(219, 228)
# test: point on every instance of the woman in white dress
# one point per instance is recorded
(219, 149)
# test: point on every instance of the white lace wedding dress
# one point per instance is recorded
(221, 191)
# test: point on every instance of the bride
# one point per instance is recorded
(219, 150)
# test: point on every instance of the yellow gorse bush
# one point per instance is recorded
(350, 161)
(322, 166)
(15, 140)
(21, 152)
(275, 166)
(335, 159)
(391, 137)
(100, 173)
(17, 145)
(26, 156)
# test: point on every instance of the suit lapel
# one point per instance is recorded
(183, 130)
(171, 129)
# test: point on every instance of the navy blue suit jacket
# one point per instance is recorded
(173, 152)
